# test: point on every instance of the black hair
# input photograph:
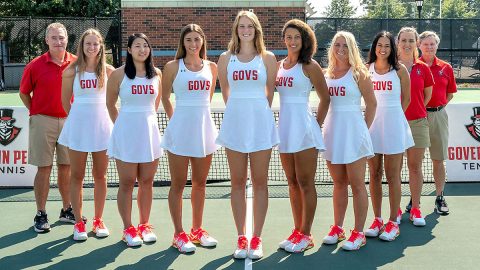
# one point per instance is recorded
(392, 58)
(130, 70)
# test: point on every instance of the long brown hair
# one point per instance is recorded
(181, 50)
(234, 44)
(81, 63)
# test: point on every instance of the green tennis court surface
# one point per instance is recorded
(446, 242)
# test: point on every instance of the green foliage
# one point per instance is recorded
(339, 9)
(457, 9)
(385, 9)
(59, 8)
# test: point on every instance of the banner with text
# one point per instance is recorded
(14, 167)
(463, 163)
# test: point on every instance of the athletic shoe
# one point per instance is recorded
(399, 216)
(289, 240)
(301, 243)
(416, 217)
(99, 228)
(256, 250)
(79, 233)
(391, 231)
(335, 235)
(200, 236)
(355, 241)
(131, 237)
(182, 243)
(242, 246)
(40, 222)
(145, 231)
(441, 206)
(375, 228)
(68, 216)
(409, 206)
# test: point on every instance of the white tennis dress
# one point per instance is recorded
(345, 131)
(298, 128)
(88, 126)
(191, 131)
(135, 136)
(248, 123)
(389, 131)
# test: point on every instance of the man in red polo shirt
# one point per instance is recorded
(442, 93)
(41, 92)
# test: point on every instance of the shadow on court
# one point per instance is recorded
(376, 253)
(38, 255)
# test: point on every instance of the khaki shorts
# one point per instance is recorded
(42, 141)
(438, 124)
(420, 132)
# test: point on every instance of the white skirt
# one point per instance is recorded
(190, 132)
(248, 126)
(346, 137)
(87, 128)
(298, 129)
(135, 138)
(390, 131)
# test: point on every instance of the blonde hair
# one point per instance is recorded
(354, 58)
(427, 34)
(234, 44)
(56, 25)
(81, 63)
(410, 30)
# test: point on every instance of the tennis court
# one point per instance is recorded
(446, 242)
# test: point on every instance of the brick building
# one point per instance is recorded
(161, 21)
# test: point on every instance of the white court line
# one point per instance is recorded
(249, 220)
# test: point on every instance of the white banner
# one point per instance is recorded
(14, 167)
(463, 163)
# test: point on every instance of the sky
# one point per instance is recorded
(320, 5)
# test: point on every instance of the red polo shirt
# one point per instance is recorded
(43, 77)
(420, 78)
(444, 82)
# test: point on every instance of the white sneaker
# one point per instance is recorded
(289, 240)
(391, 231)
(256, 249)
(99, 228)
(399, 216)
(131, 237)
(375, 228)
(417, 218)
(182, 243)
(302, 243)
(355, 241)
(145, 231)
(79, 233)
(242, 246)
(200, 236)
(335, 235)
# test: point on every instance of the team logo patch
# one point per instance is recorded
(440, 72)
(419, 72)
(474, 128)
(8, 132)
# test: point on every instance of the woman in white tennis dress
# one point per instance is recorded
(191, 133)
(88, 127)
(247, 77)
(390, 132)
(135, 140)
(346, 135)
(300, 135)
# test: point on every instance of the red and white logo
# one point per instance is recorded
(8, 132)
(474, 128)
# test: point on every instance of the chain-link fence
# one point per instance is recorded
(459, 45)
(23, 38)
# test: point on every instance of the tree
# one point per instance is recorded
(339, 9)
(384, 9)
(457, 9)
(59, 8)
